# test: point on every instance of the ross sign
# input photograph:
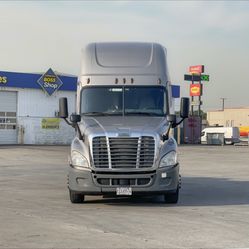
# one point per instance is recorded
(50, 123)
(196, 69)
(50, 82)
(195, 90)
(192, 77)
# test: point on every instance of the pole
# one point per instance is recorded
(223, 103)
(192, 99)
(199, 114)
(199, 106)
(192, 114)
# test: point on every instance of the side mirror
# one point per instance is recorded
(171, 118)
(75, 118)
(184, 110)
(63, 110)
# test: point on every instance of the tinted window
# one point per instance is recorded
(107, 100)
(137, 101)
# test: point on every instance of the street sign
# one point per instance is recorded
(193, 77)
(196, 69)
(190, 77)
(195, 90)
(204, 77)
(50, 82)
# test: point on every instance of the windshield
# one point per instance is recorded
(130, 100)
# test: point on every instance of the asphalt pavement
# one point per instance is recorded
(213, 210)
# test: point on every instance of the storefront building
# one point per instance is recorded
(29, 107)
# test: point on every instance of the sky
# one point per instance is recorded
(37, 35)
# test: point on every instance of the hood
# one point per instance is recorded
(123, 126)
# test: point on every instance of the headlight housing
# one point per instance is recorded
(79, 160)
(169, 160)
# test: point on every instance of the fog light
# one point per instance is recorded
(164, 175)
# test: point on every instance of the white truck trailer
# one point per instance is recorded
(124, 114)
(231, 134)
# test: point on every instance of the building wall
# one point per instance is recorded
(229, 117)
(32, 106)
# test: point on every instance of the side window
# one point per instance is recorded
(203, 133)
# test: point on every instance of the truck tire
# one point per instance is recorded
(171, 198)
(76, 197)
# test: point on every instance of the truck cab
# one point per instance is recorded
(123, 118)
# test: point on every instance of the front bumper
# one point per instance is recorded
(102, 183)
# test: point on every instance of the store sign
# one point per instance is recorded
(50, 123)
(50, 82)
(196, 69)
(195, 90)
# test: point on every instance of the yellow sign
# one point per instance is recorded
(244, 131)
(50, 123)
(3, 80)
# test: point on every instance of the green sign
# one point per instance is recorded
(204, 77)
(50, 123)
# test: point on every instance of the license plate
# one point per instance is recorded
(124, 191)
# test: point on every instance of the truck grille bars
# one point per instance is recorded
(123, 152)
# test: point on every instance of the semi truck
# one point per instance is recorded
(124, 113)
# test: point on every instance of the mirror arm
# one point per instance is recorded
(171, 125)
(179, 122)
(76, 126)
(81, 137)
(166, 136)
(69, 123)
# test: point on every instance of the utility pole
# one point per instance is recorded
(223, 103)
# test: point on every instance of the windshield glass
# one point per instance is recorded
(130, 100)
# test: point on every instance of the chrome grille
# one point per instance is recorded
(123, 152)
(146, 158)
(100, 152)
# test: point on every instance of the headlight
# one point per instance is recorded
(79, 160)
(169, 160)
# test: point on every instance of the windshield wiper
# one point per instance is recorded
(101, 113)
(142, 113)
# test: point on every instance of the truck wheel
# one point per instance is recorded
(76, 197)
(171, 197)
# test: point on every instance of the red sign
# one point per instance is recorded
(196, 69)
(195, 90)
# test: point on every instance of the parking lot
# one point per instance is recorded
(213, 210)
